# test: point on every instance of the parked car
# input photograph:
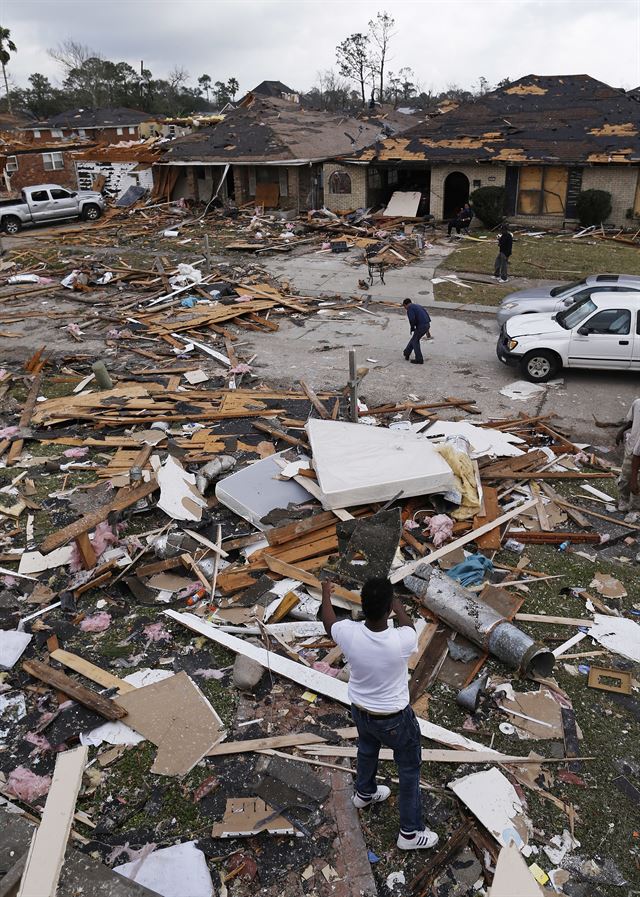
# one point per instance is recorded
(550, 299)
(601, 331)
(48, 202)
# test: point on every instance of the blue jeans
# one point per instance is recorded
(401, 733)
(414, 344)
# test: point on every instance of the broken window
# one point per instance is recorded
(339, 182)
(542, 190)
(11, 164)
(52, 161)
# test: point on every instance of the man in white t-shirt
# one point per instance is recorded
(379, 695)
(628, 489)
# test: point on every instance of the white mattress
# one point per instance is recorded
(356, 464)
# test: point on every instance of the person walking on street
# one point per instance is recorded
(628, 488)
(420, 324)
(379, 696)
(505, 247)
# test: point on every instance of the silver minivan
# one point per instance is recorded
(558, 298)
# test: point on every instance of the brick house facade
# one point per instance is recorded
(24, 167)
(96, 125)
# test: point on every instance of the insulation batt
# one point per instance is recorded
(26, 785)
(97, 623)
(440, 529)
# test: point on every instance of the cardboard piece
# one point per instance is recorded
(253, 492)
(536, 714)
(617, 634)
(44, 861)
(512, 877)
(12, 646)
(494, 801)
(179, 497)
(356, 464)
(172, 872)
(245, 816)
(175, 716)
(403, 204)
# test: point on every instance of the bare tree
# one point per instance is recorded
(381, 31)
(353, 57)
(71, 54)
(177, 77)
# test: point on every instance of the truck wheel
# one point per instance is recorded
(540, 365)
(11, 224)
(91, 212)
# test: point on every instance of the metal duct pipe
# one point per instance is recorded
(464, 612)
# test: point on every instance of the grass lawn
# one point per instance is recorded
(479, 294)
(551, 258)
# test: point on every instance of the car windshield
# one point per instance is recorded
(566, 288)
(576, 314)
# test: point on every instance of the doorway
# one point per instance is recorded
(456, 193)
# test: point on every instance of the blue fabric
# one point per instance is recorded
(401, 733)
(418, 317)
(472, 571)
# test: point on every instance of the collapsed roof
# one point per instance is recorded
(94, 118)
(553, 119)
(268, 130)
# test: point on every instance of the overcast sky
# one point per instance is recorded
(444, 41)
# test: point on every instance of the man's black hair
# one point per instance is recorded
(377, 595)
(406, 302)
(505, 228)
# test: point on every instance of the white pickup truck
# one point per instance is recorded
(599, 332)
(48, 202)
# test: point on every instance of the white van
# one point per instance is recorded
(601, 331)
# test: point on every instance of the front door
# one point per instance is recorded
(603, 341)
(456, 193)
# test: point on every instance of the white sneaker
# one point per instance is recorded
(424, 839)
(381, 794)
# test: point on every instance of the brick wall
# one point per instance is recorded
(488, 175)
(31, 171)
(340, 202)
(102, 135)
(621, 182)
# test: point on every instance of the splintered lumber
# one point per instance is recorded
(46, 853)
(264, 744)
(284, 569)
(437, 862)
(310, 679)
(551, 475)
(61, 682)
(25, 418)
(278, 434)
(91, 671)
(560, 621)
(408, 569)
(535, 537)
(315, 401)
(489, 541)
(124, 499)
(568, 506)
(281, 534)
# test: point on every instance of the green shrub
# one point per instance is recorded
(488, 205)
(593, 207)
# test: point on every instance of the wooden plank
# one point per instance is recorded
(407, 569)
(311, 679)
(491, 540)
(552, 475)
(91, 671)
(278, 434)
(284, 569)
(560, 621)
(569, 506)
(60, 681)
(46, 854)
(25, 418)
(315, 401)
(264, 744)
(572, 511)
(428, 755)
(86, 551)
(430, 663)
(279, 535)
(124, 499)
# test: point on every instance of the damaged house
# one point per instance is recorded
(116, 167)
(268, 151)
(543, 138)
(22, 163)
(103, 125)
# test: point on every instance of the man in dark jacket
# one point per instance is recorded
(462, 219)
(505, 247)
(419, 322)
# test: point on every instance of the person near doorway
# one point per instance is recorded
(505, 248)
(379, 697)
(628, 488)
(420, 325)
(462, 220)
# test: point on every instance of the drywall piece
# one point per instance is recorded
(12, 647)
(175, 716)
(34, 562)
(317, 682)
(512, 877)
(44, 860)
(175, 871)
(356, 464)
(598, 493)
(536, 714)
(494, 801)
(484, 441)
(566, 646)
(246, 816)
(608, 586)
(403, 204)
(253, 492)
(521, 390)
(618, 634)
(179, 497)
(197, 376)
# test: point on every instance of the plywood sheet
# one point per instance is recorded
(267, 195)
(175, 716)
(403, 204)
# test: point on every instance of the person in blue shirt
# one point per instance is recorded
(420, 323)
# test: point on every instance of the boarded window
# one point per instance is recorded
(542, 190)
(339, 182)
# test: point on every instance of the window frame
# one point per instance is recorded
(340, 177)
(57, 132)
(606, 311)
(132, 130)
(67, 193)
(9, 162)
(46, 195)
(53, 161)
(546, 172)
(120, 132)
